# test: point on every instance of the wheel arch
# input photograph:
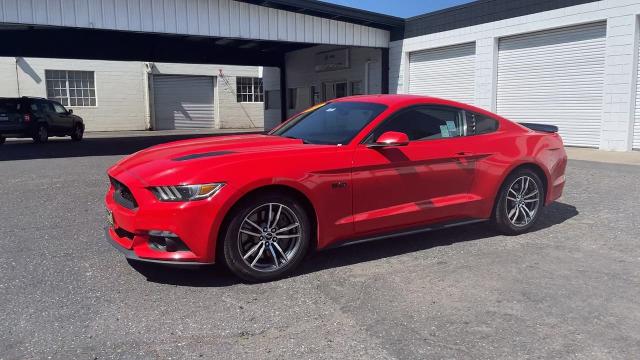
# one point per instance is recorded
(537, 169)
(270, 189)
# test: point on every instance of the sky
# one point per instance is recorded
(400, 8)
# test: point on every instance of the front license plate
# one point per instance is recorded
(110, 218)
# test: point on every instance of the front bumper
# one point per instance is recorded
(195, 223)
(131, 255)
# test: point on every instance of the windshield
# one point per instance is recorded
(333, 124)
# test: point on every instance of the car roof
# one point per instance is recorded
(401, 100)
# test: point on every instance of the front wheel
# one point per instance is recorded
(78, 132)
(519, 202)
(267, 238)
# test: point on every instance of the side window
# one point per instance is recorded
(479, 124)
(46, 107)
(59, 109)
(425, 123)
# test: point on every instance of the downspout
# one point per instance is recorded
(17, 76)
(367, 66)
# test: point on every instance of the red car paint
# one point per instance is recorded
(381, 190)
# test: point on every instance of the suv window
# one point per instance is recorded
(479, 124)
(9, 106)
(59, 109)
(425, 123)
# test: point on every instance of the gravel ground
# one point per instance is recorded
(569, 289)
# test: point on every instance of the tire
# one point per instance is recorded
(42, 134)
(516, 210)
(78, 132)
(256, 255)
(2, 139)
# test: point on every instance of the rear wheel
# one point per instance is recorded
(267, 238)
(42, 134)
(78, 132)
(519, 202)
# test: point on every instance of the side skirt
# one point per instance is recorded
(413, 231)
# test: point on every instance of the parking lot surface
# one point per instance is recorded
(568, 289)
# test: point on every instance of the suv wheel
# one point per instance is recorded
(519, 202)
(78, 132)
(42, 134)
(267, 238)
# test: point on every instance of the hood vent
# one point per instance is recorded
(202, 155)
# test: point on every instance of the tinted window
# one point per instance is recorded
(424, 123)
(480, 124)
(333, 123)
(59, 108)
(9, 106)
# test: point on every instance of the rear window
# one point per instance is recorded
(9, 106)
(480, 124)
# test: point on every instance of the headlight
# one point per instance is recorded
(186, 192)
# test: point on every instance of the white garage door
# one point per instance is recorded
(555, 77)
(183, 102)
(447, 72)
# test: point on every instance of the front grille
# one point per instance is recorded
(122, 195)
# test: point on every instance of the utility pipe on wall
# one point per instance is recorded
(17, 76)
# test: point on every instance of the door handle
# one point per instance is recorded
(464, 153)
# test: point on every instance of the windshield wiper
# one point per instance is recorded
(303, 140)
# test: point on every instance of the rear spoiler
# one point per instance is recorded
(541, 127)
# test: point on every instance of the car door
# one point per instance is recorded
(428, 180)
(64, 120)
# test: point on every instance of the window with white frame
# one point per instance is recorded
(249, 89)
(71, 88)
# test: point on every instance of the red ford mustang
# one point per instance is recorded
(353, 169)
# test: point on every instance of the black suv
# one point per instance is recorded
(38, 119)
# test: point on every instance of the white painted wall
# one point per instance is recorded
(121, 90)
(220, 18)
(619, 90)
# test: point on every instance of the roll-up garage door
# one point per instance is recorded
(447, 72)
(183, 102)
(555, 77)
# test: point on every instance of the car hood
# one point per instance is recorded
(164, 164)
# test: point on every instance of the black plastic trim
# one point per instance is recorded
(202, 155)
(541, 127)
(131, 255)
(413, 231)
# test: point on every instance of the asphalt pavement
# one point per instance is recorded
(568, 289)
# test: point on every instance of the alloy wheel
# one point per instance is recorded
(269, 237)
(523, 201)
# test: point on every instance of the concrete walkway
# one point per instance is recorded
(613, 157)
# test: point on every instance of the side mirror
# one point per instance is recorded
(390, 138)
(70, 111)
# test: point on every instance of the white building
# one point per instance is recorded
(131, 95)
(572, 63)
